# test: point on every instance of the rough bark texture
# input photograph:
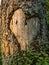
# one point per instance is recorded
(42, 13)
(23, 22)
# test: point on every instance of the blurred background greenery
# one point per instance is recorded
(47, 11)
(42, 58)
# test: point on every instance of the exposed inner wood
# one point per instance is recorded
(24, 30)
(18, 28)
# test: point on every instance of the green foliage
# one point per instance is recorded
(31, 57)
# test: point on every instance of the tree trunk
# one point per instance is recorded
(42, 13)
(23, 23)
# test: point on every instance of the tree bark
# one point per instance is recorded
(23, 23)
(42, 13)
